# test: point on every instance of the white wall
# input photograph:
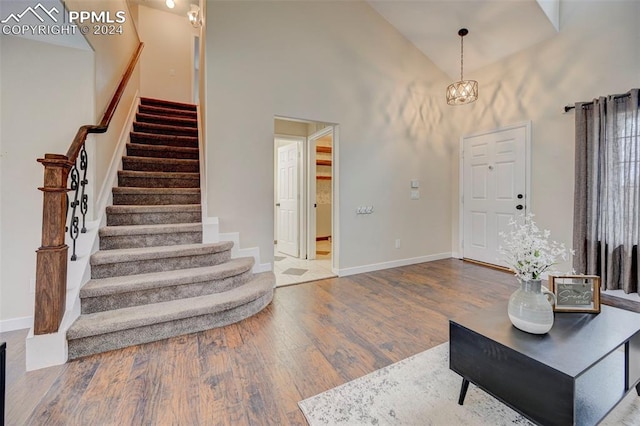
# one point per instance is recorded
(48, 92)
(596, 53)
(113, 53)
(44, 101)
(167, 61)
(336, 62)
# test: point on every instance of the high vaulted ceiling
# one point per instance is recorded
(181, 6)
(497, 28)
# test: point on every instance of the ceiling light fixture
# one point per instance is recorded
(463, 91)
(170, 4)
(194, 16)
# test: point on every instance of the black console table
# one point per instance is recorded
(575, 374)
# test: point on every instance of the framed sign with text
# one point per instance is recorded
(576, 293)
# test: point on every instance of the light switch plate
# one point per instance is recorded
(415, 183)
(415, 194)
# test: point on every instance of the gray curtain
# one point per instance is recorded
(606, 232)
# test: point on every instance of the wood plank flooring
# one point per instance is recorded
(313, 337)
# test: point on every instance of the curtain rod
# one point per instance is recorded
(568, 108)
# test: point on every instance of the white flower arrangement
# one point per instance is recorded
(527, 249)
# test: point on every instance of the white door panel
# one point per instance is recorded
(494, 175)
(288, 199)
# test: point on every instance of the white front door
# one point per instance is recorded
(288, 199)
(494, 186)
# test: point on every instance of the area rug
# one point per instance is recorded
(421, 390)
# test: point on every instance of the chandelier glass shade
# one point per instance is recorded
(463, 91)
(194, 16)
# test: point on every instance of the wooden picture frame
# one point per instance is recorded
(576, 293)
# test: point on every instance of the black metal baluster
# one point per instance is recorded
(73, 224)
(84, 206)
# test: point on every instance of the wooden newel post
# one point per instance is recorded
(51, 267)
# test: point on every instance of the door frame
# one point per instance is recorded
(311, 182)
(302, 142)
(527, 162)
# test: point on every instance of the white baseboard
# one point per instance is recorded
(13, 324)
(45, 350)
(456, 255)
(391, 264)
(254, 252)
(210, 230)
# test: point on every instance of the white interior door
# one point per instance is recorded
(494, 187)
(288, 200)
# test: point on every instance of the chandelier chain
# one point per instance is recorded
(461, 57)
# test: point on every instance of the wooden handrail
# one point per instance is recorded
(51, 267)
(103, 126)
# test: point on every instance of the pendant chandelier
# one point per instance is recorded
(463, 91)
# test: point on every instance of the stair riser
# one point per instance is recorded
(149, 240)
(167, 104)
(159, 166)
(123, 219)
(138, 150)
(155, 199)
(167, 120)
(190, 142)
(136, 298)
(158, 265)
(168, 112)
(117, 340)
(165, 130)
(145, 182)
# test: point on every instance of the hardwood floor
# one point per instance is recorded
(313, 337)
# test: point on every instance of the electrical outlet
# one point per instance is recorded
(397, 243)
(415, 194)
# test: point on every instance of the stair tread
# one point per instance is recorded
(163, 137)
(156, 160)
(136, 190)
(152, 109)
(143, 315)
(165, 126)
(178, 105)
(160, 208)
(188, 122)
(112, 231)
(129, 283)
(103, 257)
(143, 173)
(184, 149)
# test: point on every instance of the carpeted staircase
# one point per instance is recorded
(152, 277)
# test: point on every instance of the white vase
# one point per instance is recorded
(529, 308)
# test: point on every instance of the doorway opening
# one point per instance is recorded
(304, 183)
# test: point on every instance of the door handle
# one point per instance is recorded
(519, 207)
(315, 205)
(277, 204)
